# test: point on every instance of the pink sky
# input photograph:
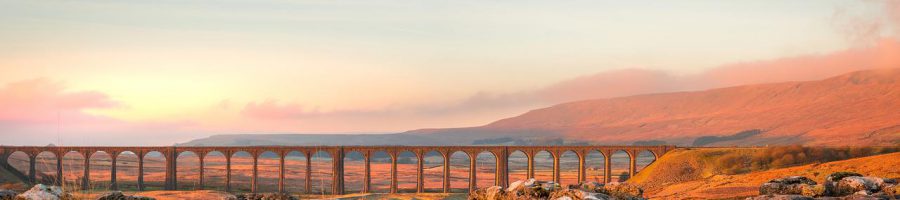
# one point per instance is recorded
(123, 75)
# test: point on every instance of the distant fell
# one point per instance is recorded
(858, 108)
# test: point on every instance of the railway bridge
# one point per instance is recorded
(337, 153)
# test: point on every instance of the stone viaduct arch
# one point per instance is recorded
(337, 153)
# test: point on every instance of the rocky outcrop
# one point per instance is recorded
(533, 189)
(840, 185)
(794, 185)
(118, 195)
(44, 192)
(7, 194)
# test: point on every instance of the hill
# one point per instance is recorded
(690, 174)
(858, 108)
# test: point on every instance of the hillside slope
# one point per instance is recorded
(858, 108)
(686, 174)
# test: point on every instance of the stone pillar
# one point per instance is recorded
(367, 176)
(473, 171)
(446, 182)
(394, 172)
(420, 173)
(140, 171)
(582, 173)
(530, 165)
(202, 175)
(112, 174)
(281, 173)
(86, 180)
(228, 172)
(632, 164)
(255, 177)
(607, 168)
(308, 173)
(337, 186)
(503, 169)
(171, 181)
(32, 175)
(59, 170)
(556, 169)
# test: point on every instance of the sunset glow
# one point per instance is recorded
(93, 73)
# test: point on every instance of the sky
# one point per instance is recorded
(161, 72)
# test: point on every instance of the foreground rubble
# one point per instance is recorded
(533, 189)
(840, 185)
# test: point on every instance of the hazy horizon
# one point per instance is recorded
(159, 73)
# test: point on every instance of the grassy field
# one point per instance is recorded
(700, 174)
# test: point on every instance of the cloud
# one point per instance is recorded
(41, 111)
(868, 26)
(41, 100)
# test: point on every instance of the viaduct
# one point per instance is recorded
(338, 153)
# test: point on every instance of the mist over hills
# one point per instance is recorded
(859, 108)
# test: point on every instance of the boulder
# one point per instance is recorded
(588, 187)
(7, 194)
(623, 190)
(857, 185)
(812, 190)
(520, 184)
(792, 185)
(596, 196)
(44, 192)
(114, 195)
(265, 196)
(118, 195)
(489, 193)
(780, 197)
(567, 193)
(890, 190)
(793, 180)
(837, 176)
(550, 186)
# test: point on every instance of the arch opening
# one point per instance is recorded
(543, 166)
(268, 169)
(354, 172)
(459, 172)
(154, 171)
(214, 170)
(486, 169)
(187, 167)
(620, 163)
(127, 171)
(380, 169)
(594, 163)
(568, 168)
(321, 173)
(407, 166)
(433, 171)
(644, 159)
(45, 168)
(517, 166)
(20, 161)
(295, 172)
(73, 170)
(241, 171)
(100, 171)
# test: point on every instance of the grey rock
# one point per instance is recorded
(44, 192)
